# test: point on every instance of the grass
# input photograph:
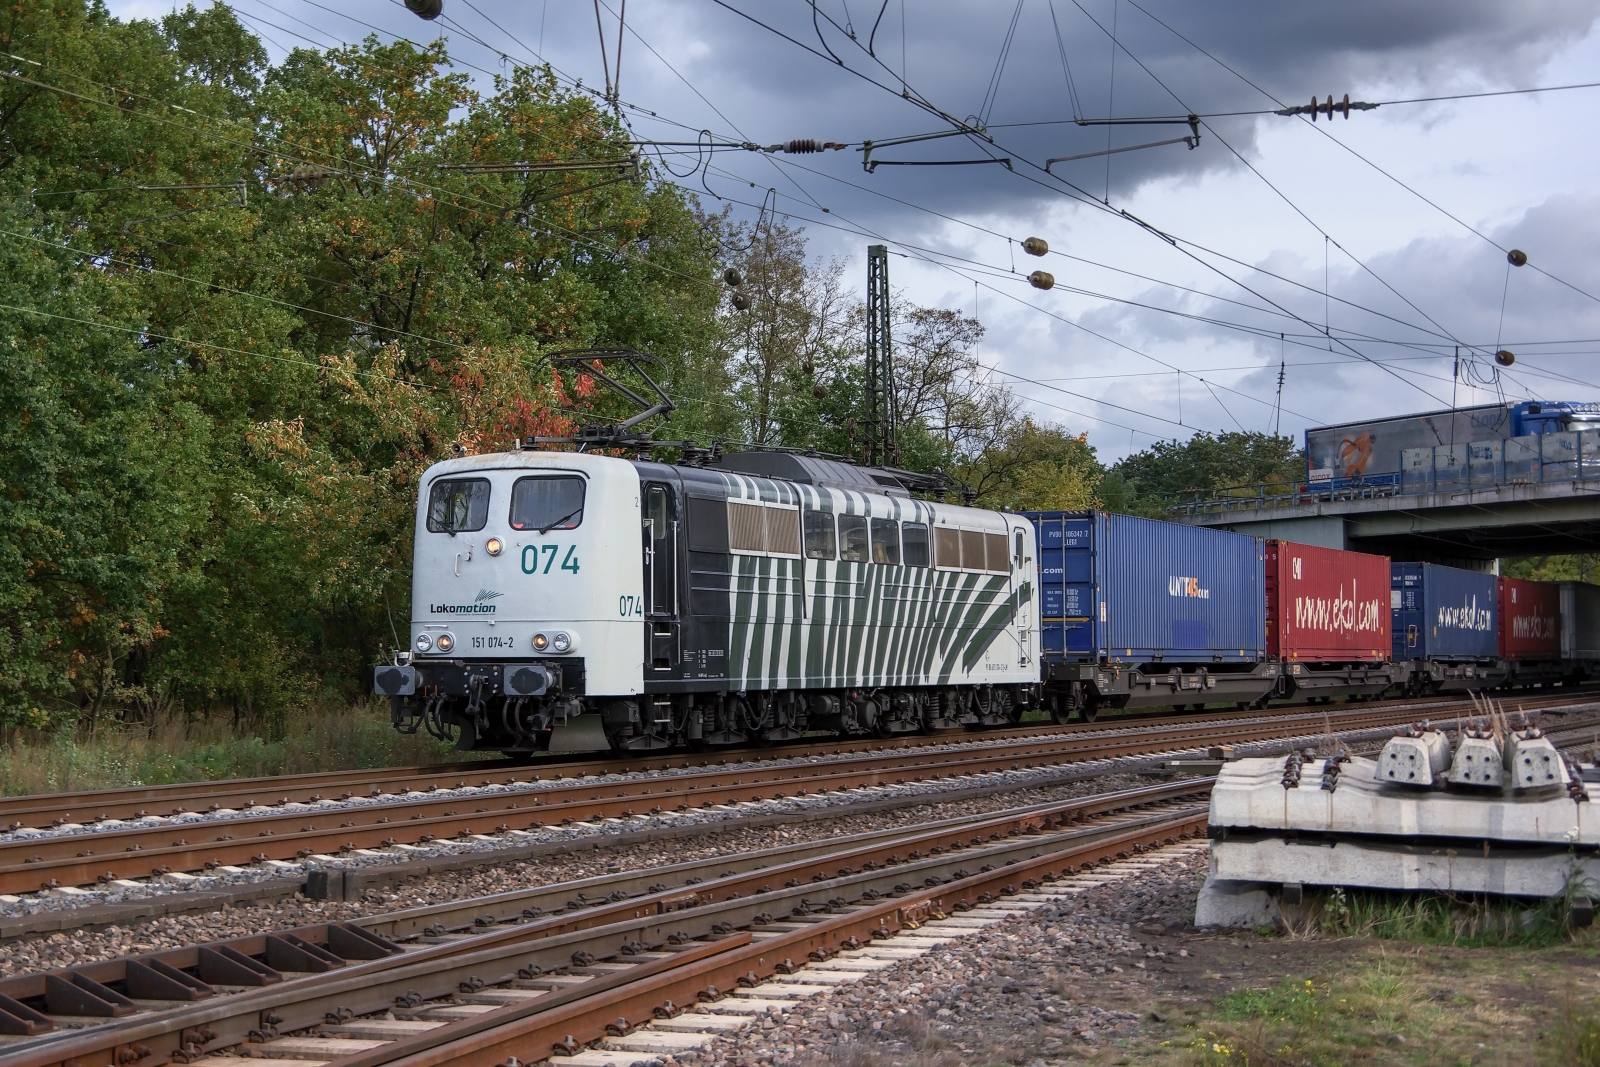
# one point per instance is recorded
(309, 739)
(1434, 918)
(1386, 1011)
(1393, 978)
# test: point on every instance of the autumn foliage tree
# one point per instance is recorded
(247, 306)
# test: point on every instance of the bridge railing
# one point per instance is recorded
(1265, 495)
(1536, 459)
(1539, 458)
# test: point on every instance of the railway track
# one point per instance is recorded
(522, 973)
(45, 809)
(115, 849)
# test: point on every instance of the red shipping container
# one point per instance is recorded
(1327, 606)
(1530, 619)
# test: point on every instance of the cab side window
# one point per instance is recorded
(885, 541)
(820, 540)
(853, 538)
(914, 539)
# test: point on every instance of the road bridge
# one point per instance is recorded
(1464, 525)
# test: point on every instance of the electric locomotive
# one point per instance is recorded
(575, 602)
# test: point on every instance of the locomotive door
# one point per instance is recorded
(1019, 559)
(660, 536)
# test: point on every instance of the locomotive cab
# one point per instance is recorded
(527, 594)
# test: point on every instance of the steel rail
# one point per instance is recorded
(539, 947)
(44, 809)
(528, 1034)
(516, 905)
(82, 858)
(78, 858)
(617, 892)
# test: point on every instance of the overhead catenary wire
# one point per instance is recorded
(1069, 188)
(1192, 118)
(1246, 162)
(1413, 100)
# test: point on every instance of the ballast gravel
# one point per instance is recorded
(727, 838)
(1066, 982)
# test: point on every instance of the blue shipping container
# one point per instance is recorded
(1443, 613)
(1121, 589)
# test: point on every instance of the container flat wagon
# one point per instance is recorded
(1136, 612)
(1369, 452)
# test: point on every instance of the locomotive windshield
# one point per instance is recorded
(546, 504)
(458, 505)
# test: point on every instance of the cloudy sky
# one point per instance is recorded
(1374, 245)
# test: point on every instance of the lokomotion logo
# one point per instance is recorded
(1341, 614)
(480, 605)
(1186, 587)
(1467, 616)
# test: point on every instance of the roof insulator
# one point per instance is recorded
(1035, 246)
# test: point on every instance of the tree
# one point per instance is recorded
(1036, 468)
(1146, 482)
(797, 319)
(290, 290)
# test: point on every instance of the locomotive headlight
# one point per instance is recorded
(493, 546)
(424, 642)
(445, 643)
(540, 642)
(561, 642)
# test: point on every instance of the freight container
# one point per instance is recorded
(1328, 620)
(1369, 451)
(1136, 611)
(1530, 620)
(1325, 605)
(1580, 623)
(1443, 612)
(1445, 626)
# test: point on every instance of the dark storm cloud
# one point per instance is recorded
(775, 90)
(749, 82)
